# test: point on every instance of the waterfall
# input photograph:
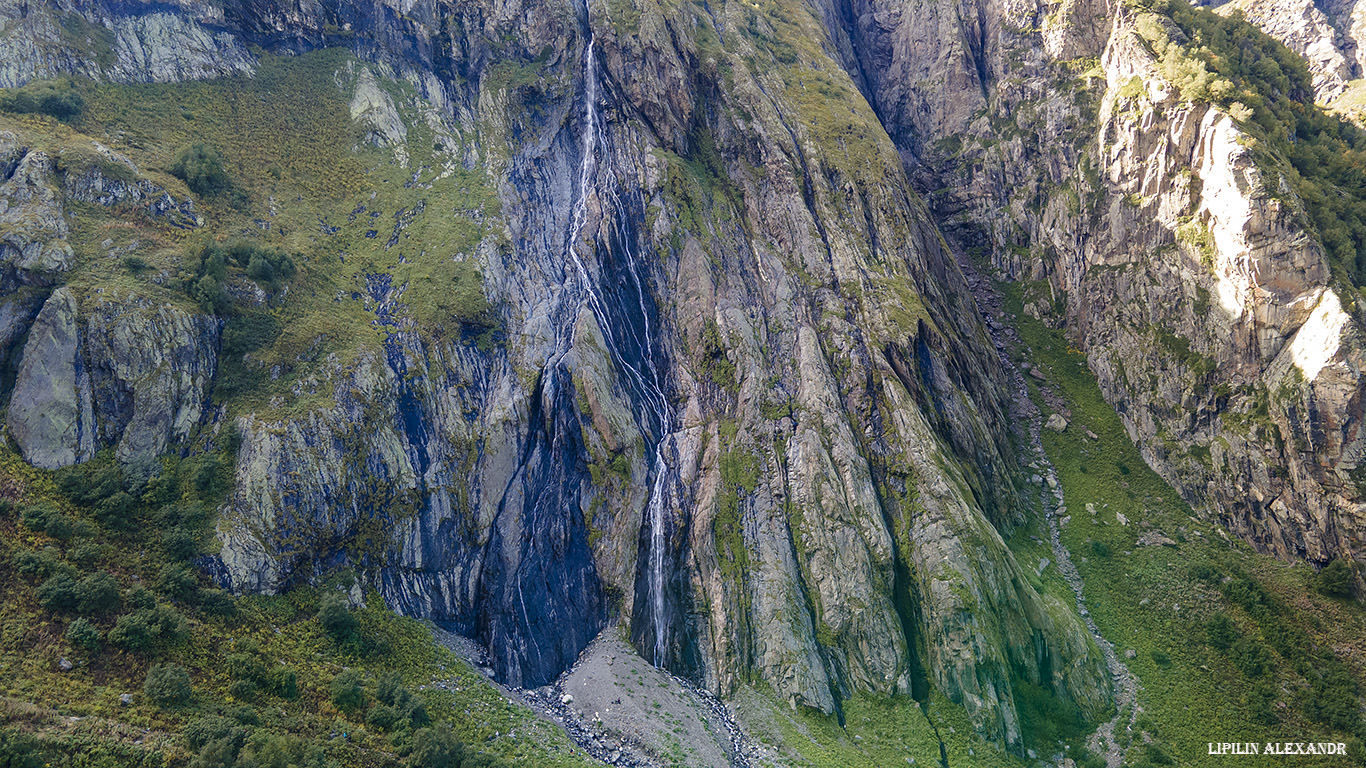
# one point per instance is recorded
(658, 416)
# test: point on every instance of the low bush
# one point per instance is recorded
(167, 685)
(54, 98)
(84, 635)
(200, 166)
(348, 694)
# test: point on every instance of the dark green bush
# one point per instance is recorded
(43, 517)
(58, 593)
(18, 750)
(209, 270)
(55, 98)
(1335, 580)
(339, 623)
(84, 635)
(140, 598)
(1099, 548)
(167, 685)
(348, 694)
(41, 564)
(202, 730)
(97, 594)
(177, 581)
(148, 629)
(200, 166)
(1251, 657)
(439, 747)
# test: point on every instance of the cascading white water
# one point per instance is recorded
(649, 382)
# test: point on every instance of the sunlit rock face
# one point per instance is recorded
(1179, 262)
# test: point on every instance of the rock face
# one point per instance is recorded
(739, 394)
(1305, 28)
(50, 409)
(1181, 264)
(141, 42)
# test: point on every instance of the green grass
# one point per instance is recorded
(1149, 599)
(280, 632)
(877, 732)
(301, 182)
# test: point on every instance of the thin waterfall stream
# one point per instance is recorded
(648, 382)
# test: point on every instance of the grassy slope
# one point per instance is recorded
(283, 628)
(296, 162)
(1147, 599)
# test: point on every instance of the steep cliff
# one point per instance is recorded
(1135, 162)
(620, 311)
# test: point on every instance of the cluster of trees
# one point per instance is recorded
(55, 98)
(1331, 697)
(1267, 87)
(209, 268)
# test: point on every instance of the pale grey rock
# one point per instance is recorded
(40, 41)
(33, 228)
(50, 415)
(1056, 422)
(152, 367)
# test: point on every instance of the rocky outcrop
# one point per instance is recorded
(139, 43)
(50, 414)
(152, 368)
(33, 228)
(1181, 263)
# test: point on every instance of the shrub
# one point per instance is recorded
(1250, 656)
(1099, 548)
(116, 510)
(58, 593)
(97, 594)
(242, 689)
(1335, 580)
(409, 707)
(55, 98)
(42, 564)
(347, 693)
(383, 717)
(84, 635)
(338, 622)
(438, 747)
(148, 629)
(140, 597)
(1160, 658)
(1221, 631)
(167, 685)
(203, 730)
(178, 581)
(201, 168)
(43, 517)
(18, 750)
(284, 683)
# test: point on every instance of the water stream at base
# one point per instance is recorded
(646, 378)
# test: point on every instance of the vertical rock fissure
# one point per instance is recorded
(642, 371)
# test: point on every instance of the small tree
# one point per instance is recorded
(338, 622)
(84, 635)
(167, 685)
(1335, 580)
(347, 692)
(58, 593)
(97, 594)
(201, 168)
